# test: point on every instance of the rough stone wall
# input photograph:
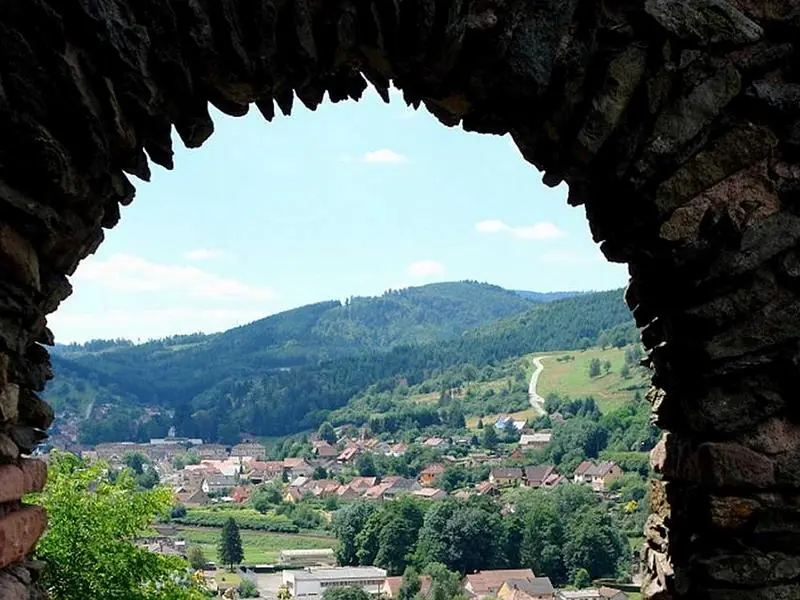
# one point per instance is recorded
(676, 123)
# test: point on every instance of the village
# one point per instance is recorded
(330, 473)
(223, 474)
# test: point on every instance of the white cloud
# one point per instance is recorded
(204, 254)
(567, 257)
(147, 324)
(129, 273)
(383, 156)
(425, 268)
(544, 230)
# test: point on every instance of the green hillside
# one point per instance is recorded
(286, 373)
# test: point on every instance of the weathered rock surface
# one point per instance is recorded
(675, 123)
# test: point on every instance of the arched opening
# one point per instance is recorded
(674, 124)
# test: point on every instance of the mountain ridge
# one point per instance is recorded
(298, 365)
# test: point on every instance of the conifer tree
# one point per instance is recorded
(230, 544)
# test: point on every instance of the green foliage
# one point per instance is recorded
(581, 579)
(247, 589)
(345, 593)
(365, 465)
(265, 497)
(411, 585)
(327, 433)
(89, 545)
(594, 368)
(319, 473)
(490, 439)
(197, 559)
(347, 524)
(229, 549)
(287, 372)
(218, 519)
(566, 529)
(390, 535)
(445, 584)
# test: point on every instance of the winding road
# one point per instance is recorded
(537, 402)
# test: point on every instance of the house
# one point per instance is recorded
(212, 451)
(312, 583)
(599, 475)
(435, 442)
(296, 467)
(323, 449)
(430, 493)
(399, 449)
(195, 497)
(347, 455)
(249, 449)
(241, 494)
(541, 476)
(535, 441)
(391, 487)
(538, 588)
(347, 492)
(294, 494)
(217, 484)
(322, 488)
(519, 425)
(488, 583)
(487, 488)
(382, 448)
(504, 423)
(263, 471)
(428, 475)
(362, 483)
(505, 475)
(603, 593)
(391, 588)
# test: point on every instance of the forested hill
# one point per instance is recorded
(285, 373)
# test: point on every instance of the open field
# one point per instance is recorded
(258, 546)
(571, 377)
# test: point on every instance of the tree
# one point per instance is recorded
(135, 461)
(197, 559)
(490, 439)
(345, 593)
(625, 371)
(480, 423)
(229, 548)
(319, 473)
(347, 524)
(248, 589)
(366, 465)
(90, 543)
(283, 593)
(445, 584)
(607, 366)
(594, 368)
(603, 340)
(411, 585)
(581, 579)
(327, 433)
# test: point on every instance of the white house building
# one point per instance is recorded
(311, 583)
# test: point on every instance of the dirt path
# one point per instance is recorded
(537, 402)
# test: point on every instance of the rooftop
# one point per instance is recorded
(338, 573)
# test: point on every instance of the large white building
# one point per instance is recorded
(312, 583)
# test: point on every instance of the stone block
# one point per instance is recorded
(704, 21)
(9, 451)
(35, 412)
(18, 258)
(16, 481)
(729, 465)
(19, 532)
(774, 436)
(12, 588)
(9, 402)
(732, 512)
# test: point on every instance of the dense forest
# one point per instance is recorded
(286, 373)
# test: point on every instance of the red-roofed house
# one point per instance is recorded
(488, 583)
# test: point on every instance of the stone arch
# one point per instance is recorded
(675, 123)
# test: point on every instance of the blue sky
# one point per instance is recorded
(352, 199)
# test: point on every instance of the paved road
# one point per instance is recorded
(537, 402)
